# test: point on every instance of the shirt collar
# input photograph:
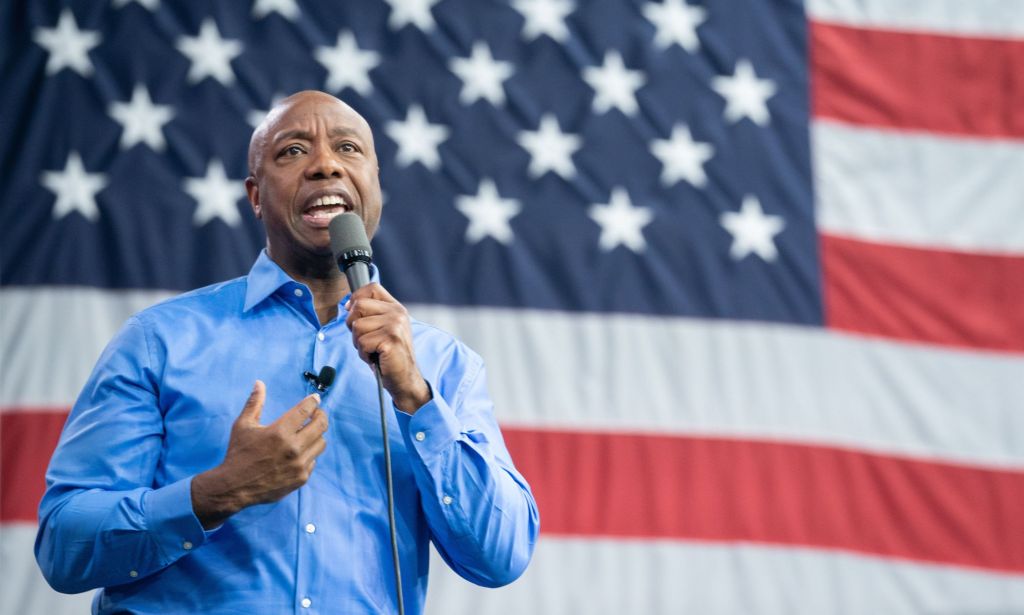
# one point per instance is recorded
(266, 277)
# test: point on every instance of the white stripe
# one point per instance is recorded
(611, 577)
(992, 18)
(919, 189)
(53, 336)
(614, 577)
(753, 380)
(24, 589)
(646, 374)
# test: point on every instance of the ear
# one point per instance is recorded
(253, 190)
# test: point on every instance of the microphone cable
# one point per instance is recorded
(390, 485)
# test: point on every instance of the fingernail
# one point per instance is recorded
(317, 397)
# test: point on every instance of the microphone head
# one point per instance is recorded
(348, 239)
(326, 376)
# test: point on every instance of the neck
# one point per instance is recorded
(324, 279)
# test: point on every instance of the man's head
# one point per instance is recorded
(309, 160)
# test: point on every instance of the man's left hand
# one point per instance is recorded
(380, 324)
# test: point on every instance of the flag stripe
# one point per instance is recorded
(28, 440)
(936, 83)
(24, 589)
(677, 487)
(940, 297)
(888, 187)
(987, 18)
(753, 381)
(559, 370)
(670, 487)
(612, 577)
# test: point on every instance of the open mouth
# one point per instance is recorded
(324, 208)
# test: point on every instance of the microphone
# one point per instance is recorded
(323, 380)
(351, 249)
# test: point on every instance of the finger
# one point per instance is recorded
(377, 322)
(373, 290)
(253, 409)
(379, 292)
(315, 428)
(316, 448)
(377, 343)
(293, 420)
(368, 306)
(372, 341)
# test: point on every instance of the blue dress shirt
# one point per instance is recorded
(158, 409)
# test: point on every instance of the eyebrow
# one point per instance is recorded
(308, 136)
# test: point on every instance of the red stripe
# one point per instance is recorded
(735, 490)
(27, 440)
(947, 84)
(648, 486)
(958, 299)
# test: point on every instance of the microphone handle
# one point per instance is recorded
(358, 275)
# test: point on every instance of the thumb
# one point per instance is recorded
(254, 405)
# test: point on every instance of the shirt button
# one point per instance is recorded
(186, 545)
(298, 292)
(320, 336)
(133, 573)
(306, 602)
(447, 500)
(310, 528)
(420, 436)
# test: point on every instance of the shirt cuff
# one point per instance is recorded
(172, 524)
(432, 429)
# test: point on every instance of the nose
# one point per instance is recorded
(324, 164)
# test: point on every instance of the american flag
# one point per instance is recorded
(748, 274)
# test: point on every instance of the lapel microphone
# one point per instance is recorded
(322, 380)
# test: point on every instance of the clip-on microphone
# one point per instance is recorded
(323, 380)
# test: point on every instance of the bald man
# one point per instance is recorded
(169, 499)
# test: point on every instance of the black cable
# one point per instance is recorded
(390, 487)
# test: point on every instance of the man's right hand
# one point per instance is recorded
(263, 463)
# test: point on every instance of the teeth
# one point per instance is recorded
(331, 199)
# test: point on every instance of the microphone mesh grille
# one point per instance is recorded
(347, 234)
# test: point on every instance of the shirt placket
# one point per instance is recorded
(309, 596)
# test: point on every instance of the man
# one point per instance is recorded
(166, 496)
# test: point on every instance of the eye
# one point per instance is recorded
(292, 150)
(348, 147)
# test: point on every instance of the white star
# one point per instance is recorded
(141, 120)
(614, 84)
(682, 157)
(216, 194)
(347, 65)
(481, 75)
(415, 12)
(550, 149)
(255, 117)
(745, 95)
(676, 22)
(150, 5)
(67, 45)
(752, 231)
(621, 223)
(417, 139)
(544, 17)
(287, 8)
(210, 54)
(75, 189)
(488, 213)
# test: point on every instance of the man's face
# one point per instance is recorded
(316, 160)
